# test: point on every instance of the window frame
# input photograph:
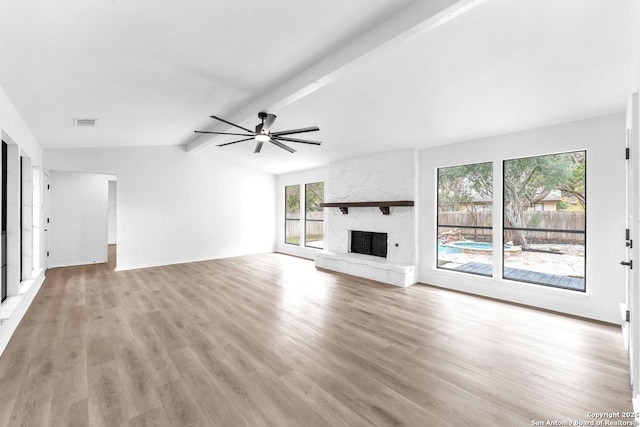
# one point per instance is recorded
(3, 246)
(312, 220)
(292, 219)
(471, 227)
(505, 228)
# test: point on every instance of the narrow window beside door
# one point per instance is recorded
(314, 215)
(292, 214)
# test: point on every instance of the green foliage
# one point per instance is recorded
(292, 199)
(529, 180)
(576, 184)
(526, 181)
(314, 195)
(458, 185)
(294, 240)
(534, 221)
(562, 205)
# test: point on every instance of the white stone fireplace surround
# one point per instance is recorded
(383, 177)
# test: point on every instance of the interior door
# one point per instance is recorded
(631, 328)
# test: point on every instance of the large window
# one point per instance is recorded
(545, 220)
(314, 220)
(292, 214)
(465, 200)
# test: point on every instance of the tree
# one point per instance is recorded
(314, 196)
(292, 202)
(450, 188)
(458, 184)
(462, 185)
(528, 181)
(575, 186)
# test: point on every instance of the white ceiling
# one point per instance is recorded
(151, 72)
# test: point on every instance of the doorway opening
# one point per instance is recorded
(112, 216)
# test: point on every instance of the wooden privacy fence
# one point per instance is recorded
(556, 220)
(294, 222)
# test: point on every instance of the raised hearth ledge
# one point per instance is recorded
(369, 267)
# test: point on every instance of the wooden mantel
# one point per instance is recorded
(384, 206)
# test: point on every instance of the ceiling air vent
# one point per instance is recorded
(84, 122)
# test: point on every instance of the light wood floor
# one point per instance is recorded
(269, 340)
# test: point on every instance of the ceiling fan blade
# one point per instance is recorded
(281, 145)
(292, 131)
(234, 142)
(302, 141)
(258, 147)
(268, 122)
(223, 133)
(229, 123)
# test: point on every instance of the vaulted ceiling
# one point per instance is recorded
(374, 76)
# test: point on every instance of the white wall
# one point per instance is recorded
(14, 250)
(15, 131)
(21, 141)
(294, 178)
(113, 212)
(27, 218)
(78, 227)
(633, 299)
(175, 206)
(604, 140)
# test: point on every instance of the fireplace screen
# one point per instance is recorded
(369, 243)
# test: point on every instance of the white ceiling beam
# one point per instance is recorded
(415, 20)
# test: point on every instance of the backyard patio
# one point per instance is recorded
(557, 265)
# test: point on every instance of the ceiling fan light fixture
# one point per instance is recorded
(263, 133)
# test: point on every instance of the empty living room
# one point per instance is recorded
(401, 212)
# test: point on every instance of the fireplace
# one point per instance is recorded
(369, 243)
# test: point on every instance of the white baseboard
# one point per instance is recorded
(75, 263)
(180, 261)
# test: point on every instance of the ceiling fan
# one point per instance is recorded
(263, 133)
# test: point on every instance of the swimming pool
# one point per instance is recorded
(480, 246)
(446, 250)
(476, 248)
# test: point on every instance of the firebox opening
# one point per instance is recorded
(369, 243)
